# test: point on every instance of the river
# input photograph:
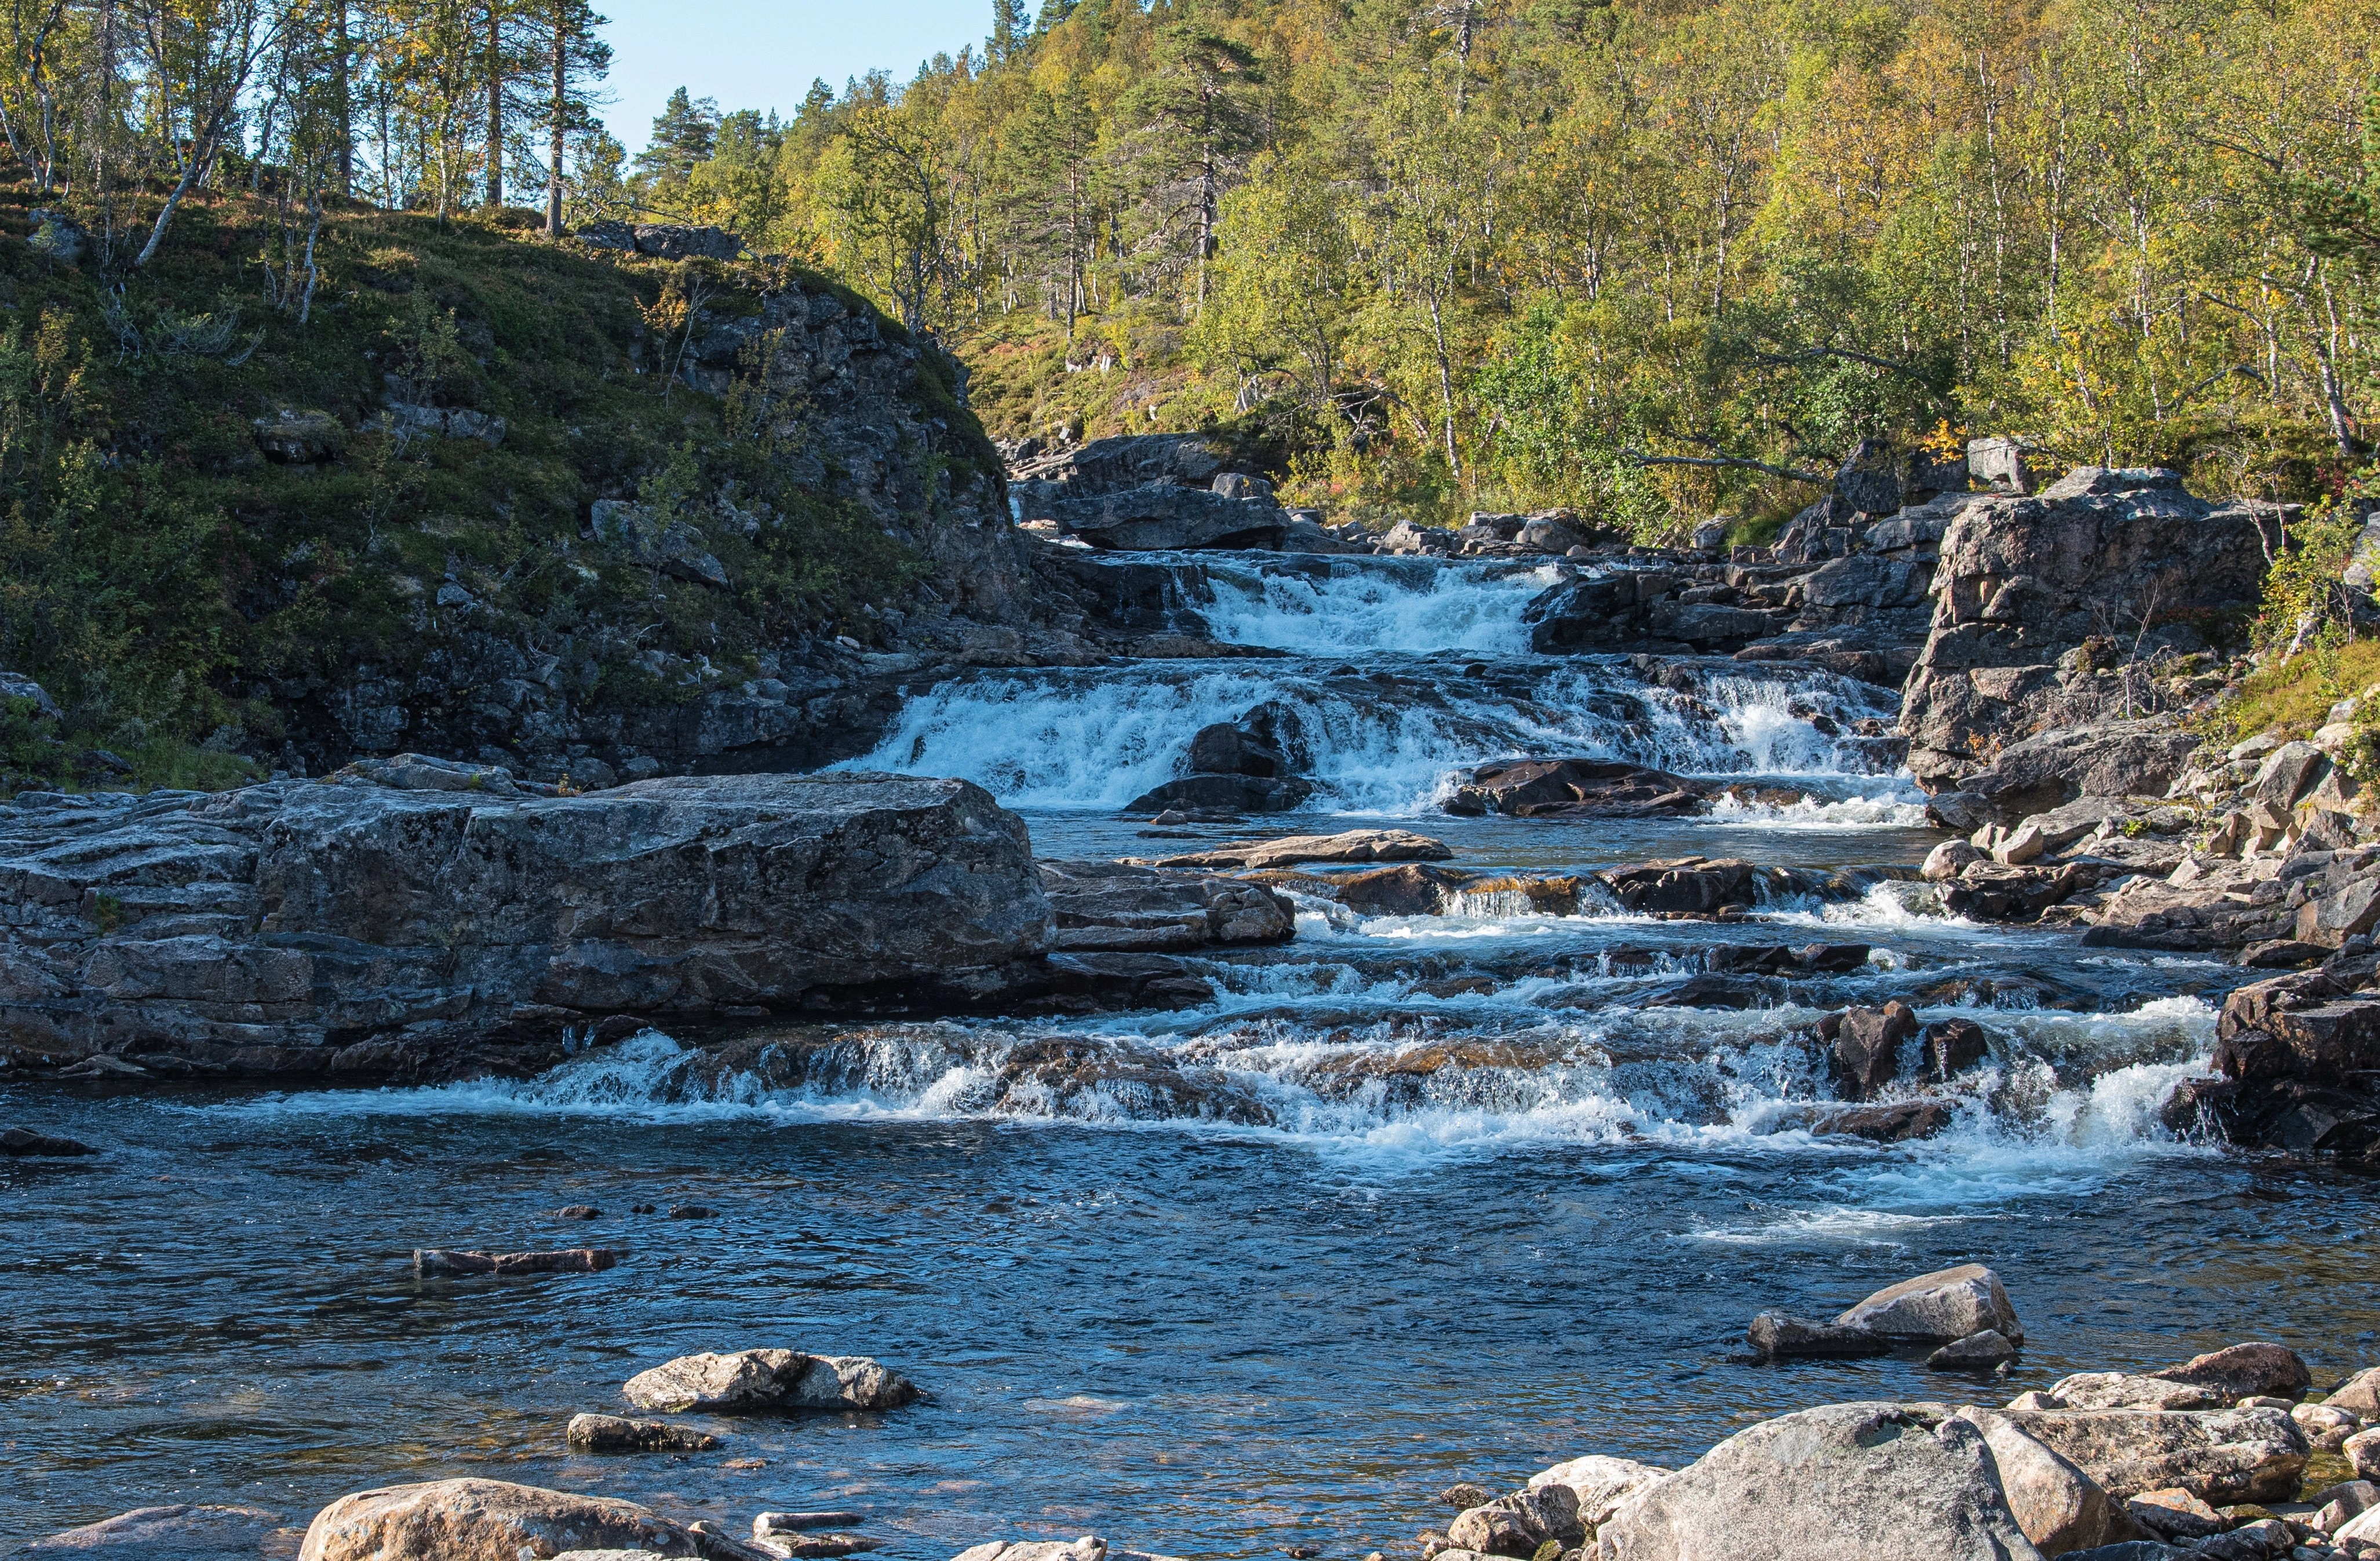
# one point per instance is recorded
(1414, 1199)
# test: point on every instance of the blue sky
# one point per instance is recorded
(763, 54)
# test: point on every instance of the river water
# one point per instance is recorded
(1415, 1199)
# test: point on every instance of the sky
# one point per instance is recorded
(764, 54)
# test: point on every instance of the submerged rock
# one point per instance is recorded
(1354, 845)
(21, 1141)
(750, 1381)
(616, 1433)
(1574, 788)
(439, 1262)
(182, 1532)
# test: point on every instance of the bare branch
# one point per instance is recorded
(1644, 460)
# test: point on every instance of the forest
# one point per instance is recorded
(1646, 260)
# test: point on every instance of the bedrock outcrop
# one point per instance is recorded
(358, 926)
(2041, 602)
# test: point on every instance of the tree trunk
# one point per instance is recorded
(347, 108)
(495, 104)
(561, 108)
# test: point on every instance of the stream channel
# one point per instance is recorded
(1426, 1198)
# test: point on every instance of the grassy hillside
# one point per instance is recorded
(210, 513)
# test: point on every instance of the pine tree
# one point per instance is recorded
(1196, 123)
(685, 133)
(573, 57)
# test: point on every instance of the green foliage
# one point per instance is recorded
(2306, 603)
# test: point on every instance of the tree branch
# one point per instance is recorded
(1644, 460)
(1787, 360)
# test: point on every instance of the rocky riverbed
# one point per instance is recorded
(1189, 1060)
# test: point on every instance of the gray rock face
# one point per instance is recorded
(2045, 773)
(179, 1533)
(755, 1381)
(1157, 516)
(670, 546)
(2021, 581)
(354, 928)
(1117, 906)
(1869, 1481)
(2221, 1457)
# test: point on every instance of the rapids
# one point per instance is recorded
(1413, 1199)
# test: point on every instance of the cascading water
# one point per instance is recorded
(1388, 676)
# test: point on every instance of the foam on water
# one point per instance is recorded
(1097, 738)
(1350, 605)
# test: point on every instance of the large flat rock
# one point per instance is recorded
(363, 926)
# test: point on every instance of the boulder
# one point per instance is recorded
(2044, 773)
(1954, 1046)
(1599, 1485)
(1937, 1308)
(1904, 1121)
(2245, 1370)
(2219, 1455)
(486, 1520)
(1864, 1051)
(1574, 788)
(2022, 581)
(2121, 1390)
(298, 927)
(1949, 860)
(2174, 1515)
(2327, 1429)
(1354, 845)
(1691, 886)
(2358, 1395)
(2000, 465)
(1227, 748)
(753, 1381)
(183, 1532)
(2343, 1501)
(1866, 1482)
(1125, 907)
(300, 438)
(679, 241)
(615, 1434)
(2289, 772)
(2059, 1508)
(2362, 1450)
(1869, 480)
(1517, 1524)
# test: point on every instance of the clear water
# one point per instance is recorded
(1414, 1199)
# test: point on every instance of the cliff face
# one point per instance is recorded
(2037, 600)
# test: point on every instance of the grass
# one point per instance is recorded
(2294, 700)
(175, 583)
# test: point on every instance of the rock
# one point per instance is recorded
(678, 241)
(1869, 480)
(578, 1211)
(1976, 1352)
(1848, 1482)
(1692, 886)
(40, 706)
(179, 1533)
(1574, 788)
(673, 547)
(1711, 535)
(606, 235)
(2175, 1515)
(438, 1262)
(2363, 1527)
(750, 1381)
(615, 1434)
(2121, 1390)
(2245, 1370)
(2289, 772)
(1774, 1335)
(20, 1142)
(2059, 1508)
(1088, 1548)
(419, 772)
(312, 929)
(1950, 1304)
(796, 1522)
(485, 1520)
(2324, 1427)
(2219, 1455)
(2000, 464)
(2022, 582)
(2131, 1550)
(1159, 517)
(296, 437)
(1517, 1524)
(1224, 794)
(1599, 1485)
(57, 236)
(2026, 844)
(2359, 1394)
(1354, 845)
(1227, 748)
(808, 1547)
(1865, 1055)
(1954, 1046)
(1906, 1122)
(1120, 906)
(1462, 1495)
(2342, 1503)
(1949, 859)
(2044, 773)
(408, 421)
(2362, 1450)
